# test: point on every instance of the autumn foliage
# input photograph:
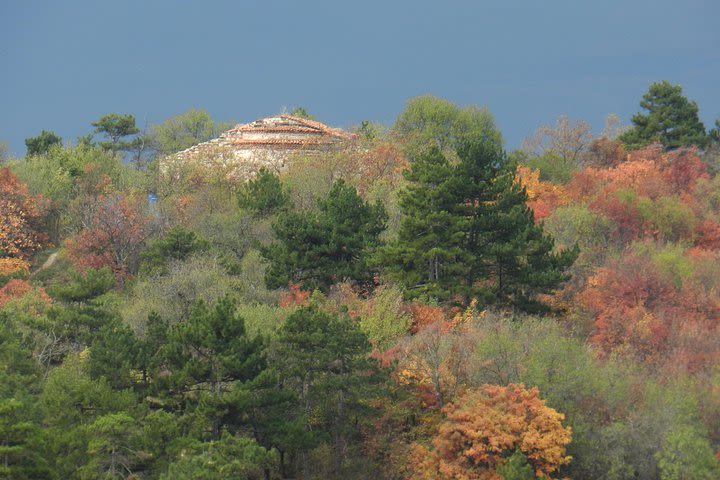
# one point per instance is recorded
(20, 214)
(651, 283)
(543, 197)
(13, 267)
(484, 427)
(113, 238)
(16, 289)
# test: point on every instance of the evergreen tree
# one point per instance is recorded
(207, 354)
(468, 233)
(22, 439)
(322, 359)
(115, 127)
(228, 457)
(41, 144)
(264, 194)
(427, 258)
(328, 245)
(516, 468)
(114, 354)
(671, 119)
(509, 259)
(178, 244)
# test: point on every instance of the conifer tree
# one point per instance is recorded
(671, 119)
(264, 194)
(427, 258)
(210, 352)
(509, 259)
(322, 359)
(467, 233)
(328, 245)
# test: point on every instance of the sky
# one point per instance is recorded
(64, 64)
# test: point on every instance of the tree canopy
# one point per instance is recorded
(671, 119)
(41, 144)
(430, 121)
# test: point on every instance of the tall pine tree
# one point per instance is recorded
(428, 258)
(510, 258)
(467, 233)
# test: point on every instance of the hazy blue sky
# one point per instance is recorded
(66, 63)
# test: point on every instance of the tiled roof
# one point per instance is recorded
(283, 132)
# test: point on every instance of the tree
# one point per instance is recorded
(714, 134)
(20, 216)
(228, 457)
(209, 352)
(117, 230)
(671, 119)
(264, 194)
(467, 232)
(322, 358)
(302, 113)
(115, 127)
(567, 140)
(183, 131)
(428, 256)
(514, 257)
(686, 453)
(41, 144)
(21, 443)
(178, 244)
(328, 245)
(430, 121)
(484, 426)
(22, 440)
(112, 450)
(516, 468)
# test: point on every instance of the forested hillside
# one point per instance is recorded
(423, 305)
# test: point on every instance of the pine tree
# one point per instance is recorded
(510, 259)
(328, 245)
(427, 257)
(467, 233)
(208, 354)
(322, 360)
(671, 119)
(264, 194)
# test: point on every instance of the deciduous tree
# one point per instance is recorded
(20, 216)
(484, 427)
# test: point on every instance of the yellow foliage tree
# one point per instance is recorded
(484, 427)
(543, 197)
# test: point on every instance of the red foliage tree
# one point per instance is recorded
(16, 289)
(20, 216)
(113, 237)
(666, 319)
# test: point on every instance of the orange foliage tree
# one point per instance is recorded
(660, 305)
(16, 289)
(113, 237)
(543, 197)
(651, 195)
(20, 215)
(484, 427)
(13, 268)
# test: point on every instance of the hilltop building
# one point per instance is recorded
(269, 142)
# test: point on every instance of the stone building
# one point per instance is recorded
(270, 142)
